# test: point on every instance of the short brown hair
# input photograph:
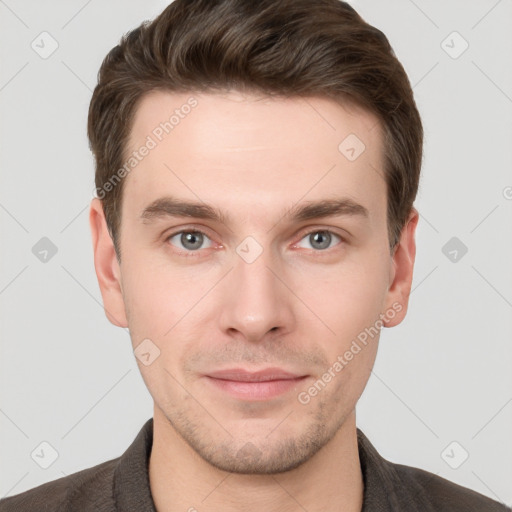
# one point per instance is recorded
(282, 48)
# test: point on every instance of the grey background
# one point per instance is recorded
(68, 377)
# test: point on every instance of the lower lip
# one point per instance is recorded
(256, 390)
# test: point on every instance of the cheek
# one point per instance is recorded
(144, 300)
(157, 297)
(164, 307)
(347, 297)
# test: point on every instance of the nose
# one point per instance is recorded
(255, 300)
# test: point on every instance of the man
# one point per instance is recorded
(256, 168)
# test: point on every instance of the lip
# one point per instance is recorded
(254, 385)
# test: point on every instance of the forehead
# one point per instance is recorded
(161, 113)
(238, 149)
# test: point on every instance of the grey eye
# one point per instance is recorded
(319, 240)
(189, 240)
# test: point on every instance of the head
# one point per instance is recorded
(256, 168)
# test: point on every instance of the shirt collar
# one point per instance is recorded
(383, 489)
(131, 476)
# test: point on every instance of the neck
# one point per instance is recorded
(181, 480)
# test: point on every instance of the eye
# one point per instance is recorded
(189, 240)
(319, 239)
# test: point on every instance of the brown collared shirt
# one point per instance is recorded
(122, 485)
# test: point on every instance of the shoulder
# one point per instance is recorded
(88, 489)
(442, 494)
(399, 487)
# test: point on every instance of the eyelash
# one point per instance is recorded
(196, 253)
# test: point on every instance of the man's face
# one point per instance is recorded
(259, 289)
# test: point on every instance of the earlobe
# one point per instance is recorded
(402, 273)
(106, 265)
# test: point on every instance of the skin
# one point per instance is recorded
(296, 306)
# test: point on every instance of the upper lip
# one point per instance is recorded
(241, 375)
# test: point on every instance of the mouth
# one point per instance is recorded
(254, 385)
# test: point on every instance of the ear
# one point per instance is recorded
(401, 271)
(107, 267)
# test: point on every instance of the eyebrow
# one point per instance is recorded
(172, 207)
